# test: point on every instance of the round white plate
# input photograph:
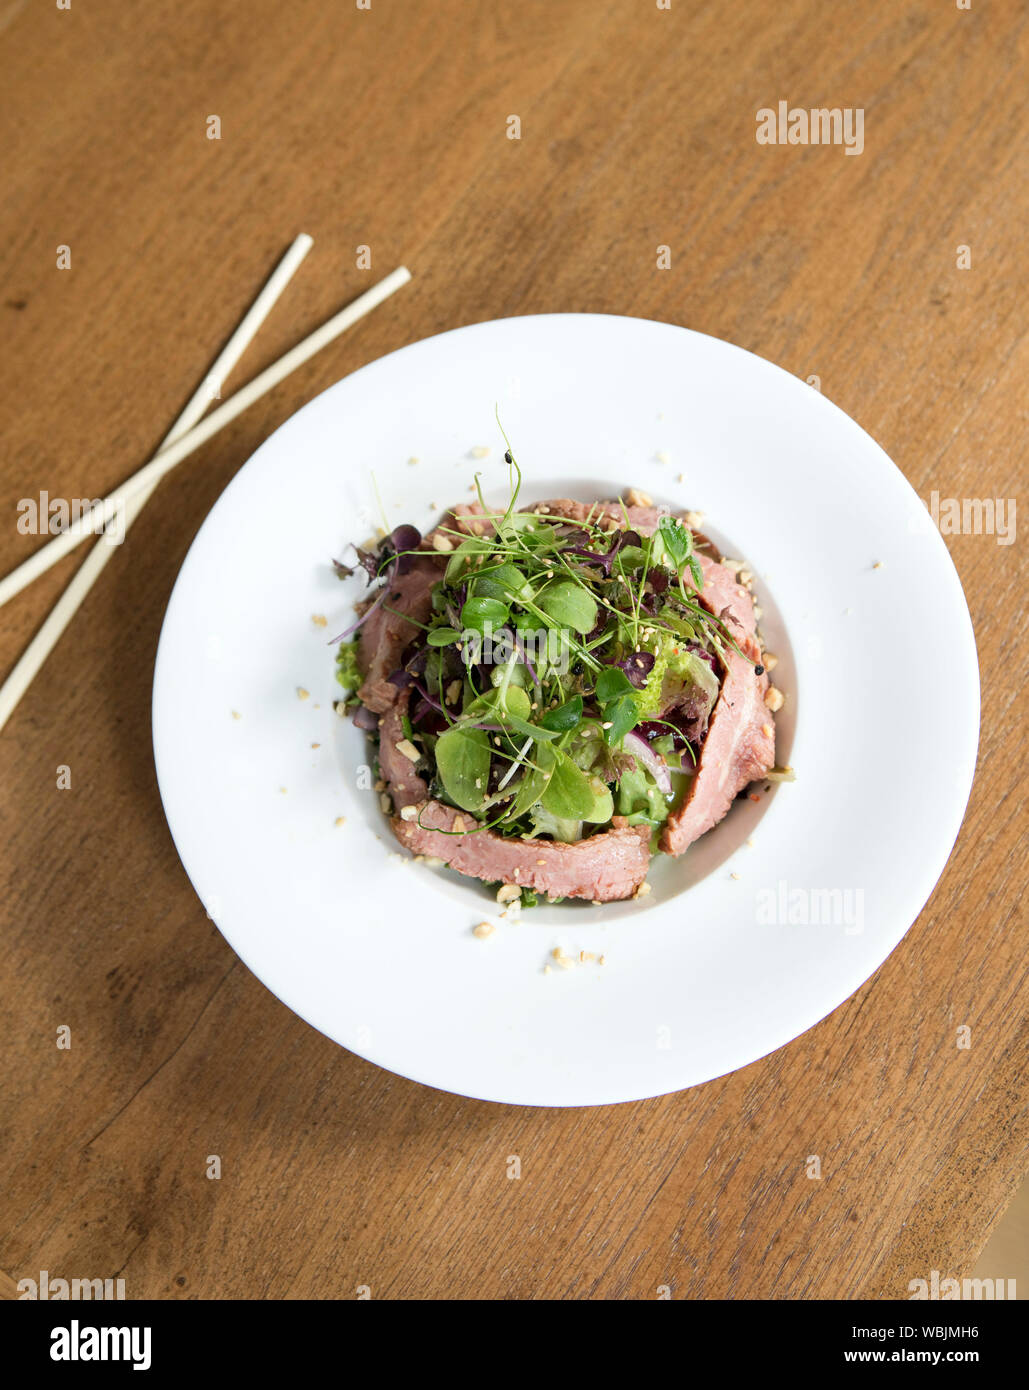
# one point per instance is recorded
(762, 928)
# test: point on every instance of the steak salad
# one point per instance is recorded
(557, 693)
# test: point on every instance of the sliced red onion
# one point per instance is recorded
(652, 761)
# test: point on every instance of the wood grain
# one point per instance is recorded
(387, 128)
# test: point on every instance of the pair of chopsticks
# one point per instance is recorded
(183, 439)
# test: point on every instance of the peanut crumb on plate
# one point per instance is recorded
(302, 694)
(319, 620)
(236, 714)
(773, 698)
(340, 820)
(483, 930)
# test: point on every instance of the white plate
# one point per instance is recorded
(714, 969)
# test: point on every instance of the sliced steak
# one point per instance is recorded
(398, 771)
(383, 638)
(604, 868)
(725, 597)
(739, 748)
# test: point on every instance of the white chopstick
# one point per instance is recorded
(168, 458)
(34, 655)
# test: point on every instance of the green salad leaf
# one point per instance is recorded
(564, 717)
(571, 606)
(463, 763)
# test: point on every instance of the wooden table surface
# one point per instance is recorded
(387, 127)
